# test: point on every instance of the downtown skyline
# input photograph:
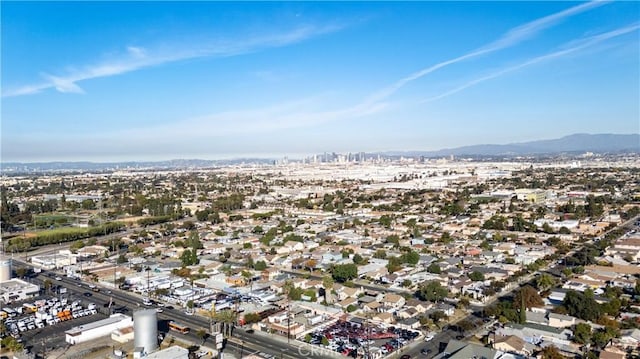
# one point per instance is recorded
(161, 80)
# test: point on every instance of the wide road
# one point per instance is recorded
(257, 341)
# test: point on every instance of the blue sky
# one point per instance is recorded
(110, 81)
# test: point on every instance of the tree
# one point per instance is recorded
(12, 344)
(465, 325)
(227, 318)
(476, 276)
(406, 283)
(257, 230)
(529, 296)
(47, 285)
(357, 259)
(344, 272)
(248, 277)
(327, 284)
(260, 265)
(551, 352)
(437, 316)
(252, 318)
(201, 334)
(412, 257)
(582, 333)
(582, 305)
(432, 291)
(602, 337)
(434, 268)
(545, 282)
(385, 221)
(189, 257)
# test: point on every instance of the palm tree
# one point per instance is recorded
(47, 285)
(287, 287)
(228, 319)
(248, 277)
(201, 334)
(327, 283)
(211, 315)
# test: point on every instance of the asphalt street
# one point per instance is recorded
(130, 302)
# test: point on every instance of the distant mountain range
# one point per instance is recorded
(572, 144)
(577, 143)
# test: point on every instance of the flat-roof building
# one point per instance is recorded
(16, 289)
(98, 329)
(174, 352)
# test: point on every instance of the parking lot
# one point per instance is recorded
(40, 322)
(352, 339)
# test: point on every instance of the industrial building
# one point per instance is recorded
(122, 335)
(98, 329)
(52, 261)
(13, 290)
(174, 352)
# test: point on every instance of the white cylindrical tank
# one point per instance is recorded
(5, 269)
(145, 330)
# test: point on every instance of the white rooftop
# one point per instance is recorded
(174, 352)
(97, 324)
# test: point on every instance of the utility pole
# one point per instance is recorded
(288, 321)
(148, 288)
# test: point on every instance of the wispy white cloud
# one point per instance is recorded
(570, 48)
(136, 58)
(306, 113)
(63, 85)
(511, 38)
(136, 52)
(290, 115)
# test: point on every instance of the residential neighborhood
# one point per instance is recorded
(363, 258)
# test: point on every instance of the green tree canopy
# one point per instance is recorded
(432, 291)
(344, 272)
(545, 282)
(434, 268)
(582, 305)
(476, 276)
(582, 333)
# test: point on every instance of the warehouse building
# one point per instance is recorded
(98, 329)
(14, 290)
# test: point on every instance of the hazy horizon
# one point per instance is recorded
(147, 81)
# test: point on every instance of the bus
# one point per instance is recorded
(178, 327)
